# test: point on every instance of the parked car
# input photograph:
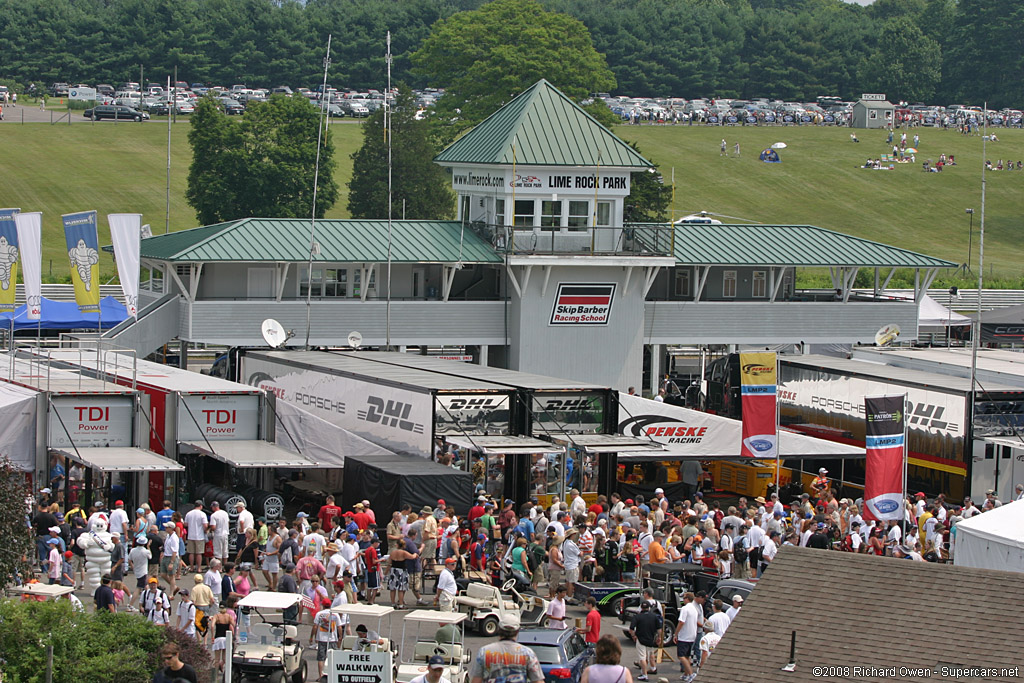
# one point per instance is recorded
(105, 89)
(184, 107)
(60, 89)
(155, 107)
(562, 653)
(231, 106)
(115, 111)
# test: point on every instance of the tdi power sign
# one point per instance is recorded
(88, 421)
(218, 417)
(582, 304)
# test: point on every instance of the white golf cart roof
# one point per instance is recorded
(361, 610)
(430, 616)
(270, 600)
(43, 590)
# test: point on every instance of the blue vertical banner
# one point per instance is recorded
(82, 240)
(8, 259)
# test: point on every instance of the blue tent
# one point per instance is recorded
(64, 315)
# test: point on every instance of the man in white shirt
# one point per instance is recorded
(856, 541)
(154, 605)
(685, 635)
(556, 609)
(578, 508)
(335, 563)
(777, 505)
(719, 621)
(170, 556)
(768, 551)
(119, 523)
(755, 539)
(920, 503)
(737, 603)
(446, 587)
(220, 525)
(186, 613)
(435, 671)
(326, 630)
(970, 509)
(139, 558)
(213, 578)
(196, 524)
(245, 522)
(314, 542)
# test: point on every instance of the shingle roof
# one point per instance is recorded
(782, 245)
(347, 241)
(545, 128)
(865, 611)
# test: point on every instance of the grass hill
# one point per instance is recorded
(122, 168)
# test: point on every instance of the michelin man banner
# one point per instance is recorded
(83, 252)
(8, 259)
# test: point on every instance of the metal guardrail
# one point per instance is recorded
(650, 240)
(966, 300)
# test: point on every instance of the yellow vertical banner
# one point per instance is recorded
(82, 240)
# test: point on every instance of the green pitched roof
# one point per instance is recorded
(545, 128)
(287, 240)
(782, 245)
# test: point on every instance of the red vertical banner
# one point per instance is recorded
(885, 442)
(757, 394)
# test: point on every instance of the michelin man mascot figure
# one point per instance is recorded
(98, 547)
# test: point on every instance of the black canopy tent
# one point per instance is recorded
(391, 481)
(1003, 325)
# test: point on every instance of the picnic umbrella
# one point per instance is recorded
(779, 145)
(911, 150)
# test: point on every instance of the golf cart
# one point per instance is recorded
(359, 613)
(456, 655)
(484, 604)
(270, 651)
(668, 582)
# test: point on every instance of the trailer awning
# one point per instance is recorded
(611, 443)
(248, 454)
(504, 445)
(120, 459)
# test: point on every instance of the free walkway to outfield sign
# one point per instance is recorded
(346, 666)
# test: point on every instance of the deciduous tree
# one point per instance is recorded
(485, 57)
(420, 188)
(262, 165)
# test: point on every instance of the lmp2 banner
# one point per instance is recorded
(885, 446)
(758, 373)
(582, 304)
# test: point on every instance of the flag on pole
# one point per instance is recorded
(30, 231)
(8, 259)
(83, 252)
(757, 397)
(126, 234)
(885, 442)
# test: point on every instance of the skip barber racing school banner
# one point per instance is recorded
(8, 259)
(83, 253)
(884, 446)
(757, 395)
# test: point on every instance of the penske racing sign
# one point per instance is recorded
(582, 304)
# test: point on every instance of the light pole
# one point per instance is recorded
(970, 241)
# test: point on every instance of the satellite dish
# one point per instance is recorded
(355, 340)
(887, 335)
(274, 334)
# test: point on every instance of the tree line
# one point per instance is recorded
(964, 51)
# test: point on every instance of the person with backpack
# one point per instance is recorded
(154, 605)
(186, 613)
(740, 554)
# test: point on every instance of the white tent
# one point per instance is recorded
(18, 425)
(993, 540)
(301, 431)
(691, 433)
(933, 314)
